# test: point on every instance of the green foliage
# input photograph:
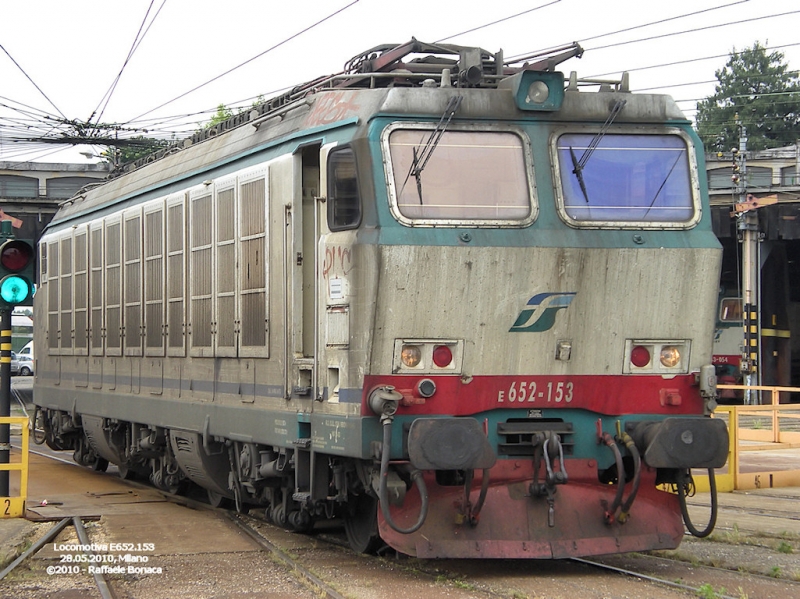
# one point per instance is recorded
(223, 114)
(134, 148)
(706, 591)
(785, 547)
(759, 88)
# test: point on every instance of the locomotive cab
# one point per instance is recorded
(465, 306)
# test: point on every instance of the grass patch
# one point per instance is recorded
(706, 591)
(784, 547)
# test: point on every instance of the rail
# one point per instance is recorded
(14, 507)
(770, 431)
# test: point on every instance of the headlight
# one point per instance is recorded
(538, 92)
(670, 356)
(411, 356)
(657, 356)
(428, 356)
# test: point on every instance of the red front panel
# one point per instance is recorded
(612, 395)
(515, 524)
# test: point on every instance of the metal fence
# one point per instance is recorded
(764, 443)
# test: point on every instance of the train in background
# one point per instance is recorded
(464, 305)
(728, 347)
(769, 359)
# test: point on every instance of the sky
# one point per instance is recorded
(176, 76)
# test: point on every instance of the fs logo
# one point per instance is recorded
(540, 315)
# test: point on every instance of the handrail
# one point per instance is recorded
(757, 440)
(773, 389)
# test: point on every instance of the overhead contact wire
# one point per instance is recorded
(32, 81)
(136, 42)
(519, 14)
(248, 61)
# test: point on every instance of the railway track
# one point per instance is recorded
(321, 565)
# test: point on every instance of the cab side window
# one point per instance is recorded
(344, 203)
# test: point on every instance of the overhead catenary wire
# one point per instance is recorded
(249, 60)
(177, 125)
(136, 42)
(662, 21)
(514, 16)
(642, 26)
(687, 61)
(695, 30)
(28, 77)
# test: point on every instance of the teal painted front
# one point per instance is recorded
(548, 230)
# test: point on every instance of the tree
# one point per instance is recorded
(766, 96)
(223, 114)
(131, 149)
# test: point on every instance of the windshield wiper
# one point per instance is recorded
(420, 160)
(663, 183)
(578, 165)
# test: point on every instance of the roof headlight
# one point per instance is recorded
(538, 92)
(535, 90)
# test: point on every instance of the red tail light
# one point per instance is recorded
(442, 356)
(640, 356)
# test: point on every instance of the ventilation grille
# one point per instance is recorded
(517, 435)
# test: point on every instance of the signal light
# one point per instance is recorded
(411, 356)
(640, 356)
(442, 356)
(17, 264)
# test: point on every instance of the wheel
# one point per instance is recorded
(25, 371)
(219, 500)
(99, 465)
(125, 472)
(361, 524)
(38, 429)
(53, 443)
(179, 488)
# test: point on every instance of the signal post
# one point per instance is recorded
(17, 264)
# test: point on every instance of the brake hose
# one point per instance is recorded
(383, 493)
(473, 518)
(684, 478)
(637, 476)
(608, 440)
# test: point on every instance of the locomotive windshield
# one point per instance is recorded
(617, 178)
(478, 177)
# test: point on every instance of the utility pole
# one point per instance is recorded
(751, 280)
(5, 380)
(17, 263)
(5, 397)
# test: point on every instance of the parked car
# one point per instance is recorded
(25, 365)
(14, 364)
(26, 352)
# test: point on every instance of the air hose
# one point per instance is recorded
(608, 440)
(637, 476)
(684, 481)
(481, 498)
(383, 493)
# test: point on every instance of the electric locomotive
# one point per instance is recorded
(464, 305)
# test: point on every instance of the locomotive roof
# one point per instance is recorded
(378, 81)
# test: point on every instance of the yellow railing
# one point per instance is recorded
(14, 507)
(757, 435)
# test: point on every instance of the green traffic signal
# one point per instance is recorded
(15, 289)
(17, 265)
